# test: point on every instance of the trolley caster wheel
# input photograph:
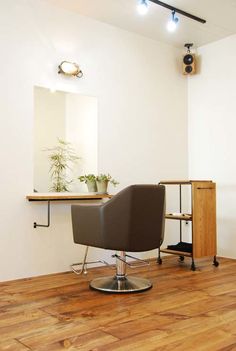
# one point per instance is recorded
(216, 263)
(181, 258)
(159, 260)
(193, 267)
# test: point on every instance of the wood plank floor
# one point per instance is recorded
(184, 310)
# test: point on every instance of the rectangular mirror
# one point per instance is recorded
(69, 117)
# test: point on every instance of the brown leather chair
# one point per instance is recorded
(132, 220)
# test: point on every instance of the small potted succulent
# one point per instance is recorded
(90, 180)
(102, 181)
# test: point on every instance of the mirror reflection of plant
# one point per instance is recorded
(61, 158)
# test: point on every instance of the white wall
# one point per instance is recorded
(212, 125)
(142, 120)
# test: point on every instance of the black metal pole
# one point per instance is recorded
(44, 225)
(180, 210)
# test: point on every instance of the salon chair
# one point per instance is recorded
(131, 221)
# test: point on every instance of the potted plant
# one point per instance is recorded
(61, 157)
(102, 181)
(90, 180)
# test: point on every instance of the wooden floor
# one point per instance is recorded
(184, 310)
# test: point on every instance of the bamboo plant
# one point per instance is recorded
(61, 157)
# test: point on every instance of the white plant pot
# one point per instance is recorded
(92, 186)
(102, 186)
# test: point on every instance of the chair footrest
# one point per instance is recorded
(139, 262)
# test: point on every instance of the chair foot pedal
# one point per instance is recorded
(138, 262)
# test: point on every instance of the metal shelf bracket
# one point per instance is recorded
(48, 218)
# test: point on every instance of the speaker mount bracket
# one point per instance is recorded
(188, 46)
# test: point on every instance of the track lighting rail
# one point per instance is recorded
(172, 8)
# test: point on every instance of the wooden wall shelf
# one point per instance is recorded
(66, 197)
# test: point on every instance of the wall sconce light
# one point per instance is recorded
(70, 69)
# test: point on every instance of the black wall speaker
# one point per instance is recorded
(189, 61)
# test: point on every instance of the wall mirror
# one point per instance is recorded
(72, 118)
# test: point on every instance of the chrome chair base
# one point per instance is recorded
(115, 284)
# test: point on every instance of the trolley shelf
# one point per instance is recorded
(180, 216)
(202, 217)
(175, 252)
(182, 182)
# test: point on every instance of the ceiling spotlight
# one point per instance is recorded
(142, 7)
(172, 23)
(70, 69)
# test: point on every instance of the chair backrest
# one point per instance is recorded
(134, 219)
